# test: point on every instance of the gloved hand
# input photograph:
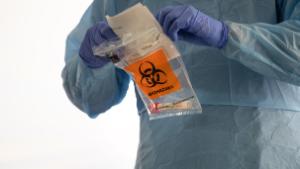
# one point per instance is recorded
(96, 35)
(188, 23)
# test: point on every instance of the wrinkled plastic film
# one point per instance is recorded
(156, 67)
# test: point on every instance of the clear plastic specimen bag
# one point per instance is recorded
(153, 62)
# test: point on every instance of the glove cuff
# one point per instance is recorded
(224, 36)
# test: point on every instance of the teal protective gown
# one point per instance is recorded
(249, 90)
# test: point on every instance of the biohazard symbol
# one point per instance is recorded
(154, 75)
(150, 75)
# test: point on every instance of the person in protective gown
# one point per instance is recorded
(243, 60)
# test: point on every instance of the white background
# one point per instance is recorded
(39, 127)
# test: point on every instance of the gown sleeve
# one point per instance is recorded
(272, 50)
(93, 91)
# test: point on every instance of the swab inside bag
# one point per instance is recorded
(153, 62)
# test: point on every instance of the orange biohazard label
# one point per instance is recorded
(154, 75)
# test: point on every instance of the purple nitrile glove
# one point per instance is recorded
(96, 35)
(185, 22)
